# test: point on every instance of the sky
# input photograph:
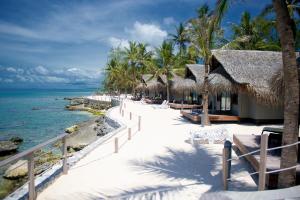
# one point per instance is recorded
(65, 43)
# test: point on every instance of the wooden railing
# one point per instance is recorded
(29, 156)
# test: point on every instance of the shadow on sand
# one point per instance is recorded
(187, 168)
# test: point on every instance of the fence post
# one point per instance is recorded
(181, 106)
(228, 146)
(139, 123)
(130, 115)
(31, 186)
(129, 133)
(225, 168)
(65, 154)
(262, 162)
(116, 145)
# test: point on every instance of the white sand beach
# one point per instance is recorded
(158, 163)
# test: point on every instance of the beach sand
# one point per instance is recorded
(158, 163)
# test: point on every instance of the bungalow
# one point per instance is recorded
(250, 74)
(151, 87)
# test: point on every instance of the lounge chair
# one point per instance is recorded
(164, 105)
(211, 134)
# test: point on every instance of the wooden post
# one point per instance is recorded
(263, 162)
(65, 154)
(31, 186)
(116, 145)
(139, 125)
(225, 168)
(129, 133)
(130, 116)
(181, 106)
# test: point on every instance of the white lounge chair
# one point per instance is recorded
(210, 134)
(164, 105)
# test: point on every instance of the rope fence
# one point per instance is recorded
(262, 164)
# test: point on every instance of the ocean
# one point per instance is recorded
(37, 115)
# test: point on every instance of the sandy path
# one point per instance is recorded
(157, 163)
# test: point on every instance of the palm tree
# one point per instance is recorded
(287, 36)
(163, 64)
(253, 34)
(180, 38)
(287, 33)
(136, 56)
(203, 34)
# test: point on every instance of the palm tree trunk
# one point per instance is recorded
(291, 94)
(205, 119)
(168, 90)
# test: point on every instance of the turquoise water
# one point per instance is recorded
(17, 118)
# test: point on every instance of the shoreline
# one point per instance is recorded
(88, 132)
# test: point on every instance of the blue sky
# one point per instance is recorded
(64, 43)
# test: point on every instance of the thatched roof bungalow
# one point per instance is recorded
(150, 86)
(250, 72)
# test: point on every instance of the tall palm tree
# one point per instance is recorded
(163, 64)
(287, 36)
(287, 33)
(203, 33)
(180, 38)
(136, 57)
(253, 34)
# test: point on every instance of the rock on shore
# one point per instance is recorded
(17, 170)
(7, 148)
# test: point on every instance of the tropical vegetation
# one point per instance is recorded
(276, 28)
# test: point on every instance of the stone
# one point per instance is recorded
(16, 140)
(17, 170)
(72, 129)
(7, 148)
(77, 147)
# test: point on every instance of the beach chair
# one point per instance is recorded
(210, 135)
(163, 105)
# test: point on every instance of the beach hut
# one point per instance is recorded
(219, 87)
(250, 74)
(151, 87)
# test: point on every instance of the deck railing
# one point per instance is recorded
(262, 172)
(29, 156)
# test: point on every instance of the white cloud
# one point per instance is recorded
(169, 20)
(43, 75)
(54, 79)
(41, 70)
(8, 80)
(11, 69)
(148, 33)
(117, 42)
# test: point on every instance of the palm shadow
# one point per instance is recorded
(188, 168)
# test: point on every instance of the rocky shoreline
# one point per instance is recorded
(81, 135)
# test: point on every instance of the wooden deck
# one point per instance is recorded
(248, 143)
(196, 118)
(184, 106)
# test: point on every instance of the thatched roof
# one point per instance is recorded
(251, 70)
(151, 82)
(276, 81)
(180, 84)
(196, 72)
(217, 82)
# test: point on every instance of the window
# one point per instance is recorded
(225, 101)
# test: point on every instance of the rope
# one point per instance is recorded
(236, 177)
(280, 170)
(246, 154)
(280, 147)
